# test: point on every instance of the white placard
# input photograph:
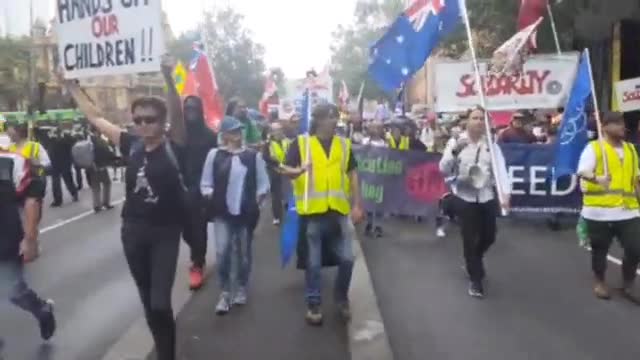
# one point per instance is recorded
(544, 84)
(628, 94)
(109, 37)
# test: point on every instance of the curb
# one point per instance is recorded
(368, 338)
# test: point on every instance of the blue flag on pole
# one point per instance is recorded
(573, 132)
(291, 226)
(405, 47)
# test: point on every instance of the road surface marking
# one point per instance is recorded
(75, 218)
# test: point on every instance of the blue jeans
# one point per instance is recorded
(233, 244)
(316, 227)
(14, 287)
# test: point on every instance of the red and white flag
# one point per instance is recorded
(530, 12)
(510, 57)
(344, 96)
(201, 82)
(270, 89)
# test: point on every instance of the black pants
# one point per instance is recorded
(194, 230)
(100, 183)
(63, 172)
(277, 200)
(601, 234)
(78, 171)
(14, 287)
(152, 255)
(478, 227)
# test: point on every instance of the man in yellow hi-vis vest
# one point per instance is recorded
(396, 139)
(608, 169)
(326, 192)
(31, 150)
(278, 146)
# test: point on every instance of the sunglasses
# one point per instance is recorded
(138, 120)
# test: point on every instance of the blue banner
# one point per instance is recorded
(410, 183)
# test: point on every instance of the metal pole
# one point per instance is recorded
(553, 29)
(483, 100)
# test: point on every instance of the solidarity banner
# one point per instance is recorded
(410, 182)
(544, 83)
(108, 37)
(628, 94)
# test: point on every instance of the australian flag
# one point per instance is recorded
(405, 47)
(573, 132)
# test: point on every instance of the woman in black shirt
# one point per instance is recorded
(152, 216)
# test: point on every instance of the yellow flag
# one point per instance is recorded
(180, 77)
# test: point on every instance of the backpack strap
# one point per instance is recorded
(173, 159)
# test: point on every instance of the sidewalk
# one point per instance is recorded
(272, 325)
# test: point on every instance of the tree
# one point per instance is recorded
(350, 50)
(236, 59)
(14, 69)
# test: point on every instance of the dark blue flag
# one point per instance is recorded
(405, 47)
(573, 132)
(291, 225)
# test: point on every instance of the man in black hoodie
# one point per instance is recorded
(200, 140)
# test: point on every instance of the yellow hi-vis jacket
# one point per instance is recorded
(30, 151)
(621, 192)
(278, 150)
(329, 184)
(404, 143)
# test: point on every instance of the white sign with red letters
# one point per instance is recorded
(545, 83)
(628, 94)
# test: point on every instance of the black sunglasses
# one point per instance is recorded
(138, 120)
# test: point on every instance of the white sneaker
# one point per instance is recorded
(276, 222)
(440, 232)
(240, 297)
(223, 306)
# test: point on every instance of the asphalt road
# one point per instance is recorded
(271, 326)
(539, 303)
(82, 268)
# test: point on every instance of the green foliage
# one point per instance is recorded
(350, 50)
(237, 60)
(14, 69)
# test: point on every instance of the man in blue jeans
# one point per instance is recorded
(18, 244)
(327, 191)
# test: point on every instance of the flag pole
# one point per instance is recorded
(553, 28)
(596, 110)
(307, 149)
(483, 102)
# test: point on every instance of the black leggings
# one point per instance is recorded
(478, 226)
(152, 255)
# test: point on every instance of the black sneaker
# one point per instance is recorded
(47, 321)
(368, 230)
(476, 290)
(344, 311)
(108, 207)
(314, 315)
(56, 204)
(97, 209)
(377, 232)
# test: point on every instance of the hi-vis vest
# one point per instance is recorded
(404, 143)
(624, 175)
(31, 152)
(329, 185)
(278, 150)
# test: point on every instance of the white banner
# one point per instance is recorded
(545, 83)
(109, 37)
(628, 94)
(321, 92)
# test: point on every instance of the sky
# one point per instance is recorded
(296, 34)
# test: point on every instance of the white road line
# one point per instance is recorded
(75, 218)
